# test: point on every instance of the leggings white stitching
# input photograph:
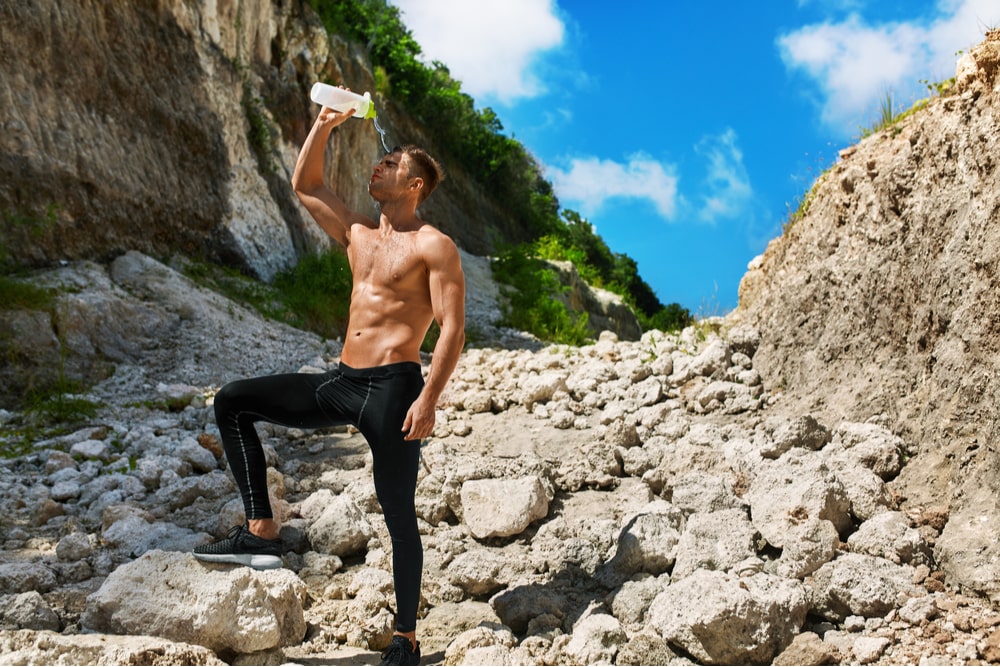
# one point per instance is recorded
(246, 462)
(367, 396)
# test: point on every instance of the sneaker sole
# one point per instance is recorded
(256, 561)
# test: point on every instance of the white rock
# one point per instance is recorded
(29, 611)
(714, 541)
(859, 584)
(23, 576)
(134, 535)
(50, 648)
(723, 619)
(64, 491)
(874, 446)
(810, 544)
(90, 449)
(539, 388)
(795, 487)
(341, 529)
(648, 540)
(869, 649)
(174, 596)
(502, 507)
(73, 547)
(477, 571)
(713, 359)
(699, 491)
(488, 644)
(595, 640)
(889, 535)
(200, 458)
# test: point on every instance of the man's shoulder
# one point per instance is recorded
(429, 234)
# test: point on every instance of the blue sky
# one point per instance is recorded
(685, 132)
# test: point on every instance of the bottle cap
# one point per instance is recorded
(371, 106)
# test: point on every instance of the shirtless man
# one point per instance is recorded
(406, 274)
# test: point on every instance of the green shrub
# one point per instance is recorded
(316, 293)
(17, 295)
(530, 288)
(672, 317)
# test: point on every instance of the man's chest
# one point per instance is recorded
(392, 261)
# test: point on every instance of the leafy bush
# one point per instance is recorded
(575, 240)
(530, 303)
(672, 317)
(17, 295)
(316, 293)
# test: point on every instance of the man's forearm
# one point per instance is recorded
(308, 173)
(444, 360)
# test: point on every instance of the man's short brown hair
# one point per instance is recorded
(422, 165)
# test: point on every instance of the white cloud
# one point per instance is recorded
(728, 190)
(856, 63)
(490, 47)
(592, 181)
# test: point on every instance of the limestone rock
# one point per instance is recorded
(801, 487)
(860, 585)
(503, 507)
(595, 640)
(176, 597)
(648, 541)
(29, 647)
(340, 528)
(714, 541)
(737, 620)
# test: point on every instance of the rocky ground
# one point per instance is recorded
(623, 502)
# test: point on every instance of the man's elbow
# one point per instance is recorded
(298, 187)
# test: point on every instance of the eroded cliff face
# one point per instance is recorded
(166, 126)
(883, 300)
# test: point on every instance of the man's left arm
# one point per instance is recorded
(447, 289)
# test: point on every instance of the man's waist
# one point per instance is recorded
(383, 370)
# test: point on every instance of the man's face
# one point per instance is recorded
(389, 177)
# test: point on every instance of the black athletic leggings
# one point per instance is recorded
(375, 400)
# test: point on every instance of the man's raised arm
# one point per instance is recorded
(329, 211)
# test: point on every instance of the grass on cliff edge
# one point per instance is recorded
(314, 295)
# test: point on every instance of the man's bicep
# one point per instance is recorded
(447, 282)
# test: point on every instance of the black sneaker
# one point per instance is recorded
(242, 547)
(400, 652)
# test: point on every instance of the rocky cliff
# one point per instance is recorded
(882, 300)
(166, 126)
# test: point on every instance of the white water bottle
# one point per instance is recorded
(342, 100)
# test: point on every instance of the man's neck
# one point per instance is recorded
(398, 218)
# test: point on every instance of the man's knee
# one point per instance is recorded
(225, 398)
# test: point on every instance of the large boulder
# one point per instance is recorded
(28, 647)
(503, 507)
(859, 585)
(175, 596)
(736, 620)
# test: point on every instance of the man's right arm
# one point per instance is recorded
(329, 211)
